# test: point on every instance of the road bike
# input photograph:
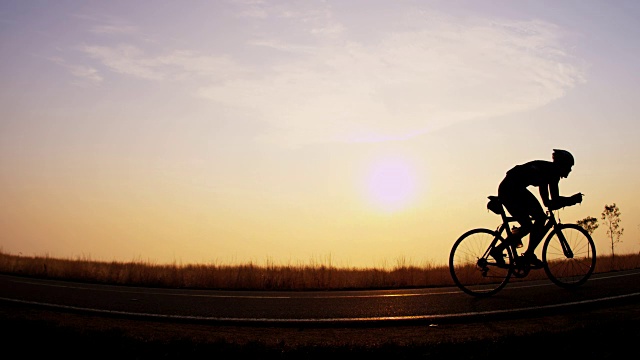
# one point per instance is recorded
(568, 255)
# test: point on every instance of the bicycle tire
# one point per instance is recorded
(472, 271)
(569, 272)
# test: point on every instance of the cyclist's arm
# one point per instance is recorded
(550, 195)
(553, 190)
(556, 201)
(544, 195)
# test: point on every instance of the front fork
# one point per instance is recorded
(565, 245)
(566, 249)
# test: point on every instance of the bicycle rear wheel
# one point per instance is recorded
(471, 267)
(569, 269)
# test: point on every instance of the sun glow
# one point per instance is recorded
(391, 184)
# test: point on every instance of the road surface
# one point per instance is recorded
(319, 307)
(44, 318)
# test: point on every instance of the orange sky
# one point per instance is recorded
(360, 133)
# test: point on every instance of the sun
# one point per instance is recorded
(391, 184)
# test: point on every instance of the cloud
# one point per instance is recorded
(320, 84)
(405, 84)
(175, 65)
(83, 72)
(113, 29)
(86, 72)
(125, 59)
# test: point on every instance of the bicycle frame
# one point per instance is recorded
(568, 255)
(550, 222)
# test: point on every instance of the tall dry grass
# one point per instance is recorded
(250, 276)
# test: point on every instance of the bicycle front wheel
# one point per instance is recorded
(569, 263)
(471, 267)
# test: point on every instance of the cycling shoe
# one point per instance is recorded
(533, 260)
(497, 255)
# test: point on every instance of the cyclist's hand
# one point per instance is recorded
(576, 198)
(562, 201)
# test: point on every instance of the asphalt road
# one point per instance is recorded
(318, 307)
(533, 319)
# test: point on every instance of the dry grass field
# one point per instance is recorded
(603, 333)
(253, 277)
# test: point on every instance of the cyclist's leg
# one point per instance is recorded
(537, 227)
(516, 200)
(537, 232)
(527, 209)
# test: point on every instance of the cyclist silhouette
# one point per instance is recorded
(524, 206)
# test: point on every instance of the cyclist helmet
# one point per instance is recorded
(563, 158)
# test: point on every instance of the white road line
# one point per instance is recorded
(329, 320)
(236, 296)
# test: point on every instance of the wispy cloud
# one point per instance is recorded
(105, 25)
(125, 59)
(114, 29)
(85, 73)
(433, 72)
(175, 65)
(407, 83)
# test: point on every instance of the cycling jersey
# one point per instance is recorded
(520, 202)
(540, 173)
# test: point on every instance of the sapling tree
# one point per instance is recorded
(611, 217)
(589, 223)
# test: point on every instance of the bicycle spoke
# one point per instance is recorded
(472, 270)
(574, 271)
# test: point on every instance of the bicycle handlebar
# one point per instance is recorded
(566, 201)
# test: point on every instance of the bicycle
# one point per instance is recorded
(568, 255)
